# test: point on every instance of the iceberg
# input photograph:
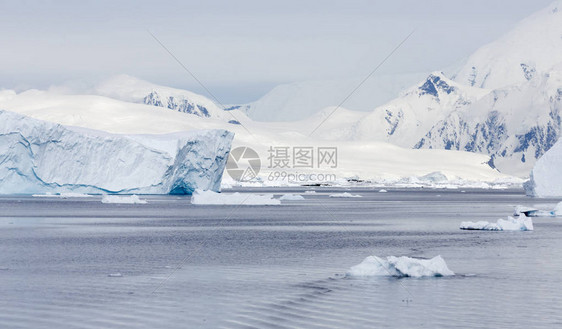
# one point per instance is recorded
(401, 267)
(546, 177)
(522, 223)
(39, 157)
(202, 197)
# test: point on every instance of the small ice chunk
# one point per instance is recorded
(130, 199)
(533, 212)
(522, 223)
(200, 197)
(291, 197)
(383, 191)
(558, 209)
(401, 267)
(527, 211)
(345, 195)
(115, 275)
(309, 192)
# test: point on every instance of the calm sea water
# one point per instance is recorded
(78, 263)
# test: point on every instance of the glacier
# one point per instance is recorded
(546, 177)
(43, 157)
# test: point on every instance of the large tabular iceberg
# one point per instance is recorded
(43, 157)
(546, 176)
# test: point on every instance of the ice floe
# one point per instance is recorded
(522, 223)
(401, 267)
(62, 195)
(345, 195)
(383, 191)
(201, 197)
(130, 199)
(535, 212)
(291, 197)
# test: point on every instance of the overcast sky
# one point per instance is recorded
(241, 49)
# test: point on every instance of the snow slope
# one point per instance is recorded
(530, 49)
(43, 157)
(130, 89)
(300, 100)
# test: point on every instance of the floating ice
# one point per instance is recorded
(309, 192)
(522, 223)
(383, 191)
(38, 157)
(534, 212)
(115, 275)
(291, 197)
(401, 267)
(201, 197)
(131, 199)
(62, 195)
(345, 195)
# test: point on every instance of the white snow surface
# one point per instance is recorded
(401, 267)
(521, 223)
(203, 197)
(546, 176)
(131, 199)
(38, 157)
(300, 100)
(534, 42)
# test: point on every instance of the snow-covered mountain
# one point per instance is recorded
(130, 89)
(508, 107)
(366, 160)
